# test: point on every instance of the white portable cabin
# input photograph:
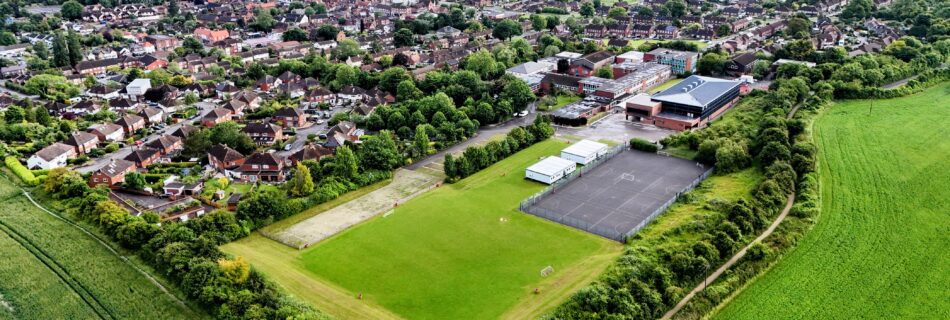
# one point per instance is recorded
(550, 169)
(584, 151)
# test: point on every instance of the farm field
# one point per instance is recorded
(68, 274)
(879, 248)
(459, 251)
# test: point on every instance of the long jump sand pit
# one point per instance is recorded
(406, 184)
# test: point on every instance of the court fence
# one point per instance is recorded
(528, 205)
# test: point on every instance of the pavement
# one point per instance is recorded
(615, 128)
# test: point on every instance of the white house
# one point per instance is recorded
(138, 86)
(550, 170)
(584, 151)
(53, 156)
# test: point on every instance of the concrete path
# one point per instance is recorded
(715, 275)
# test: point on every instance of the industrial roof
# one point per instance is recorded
(551, 165)
(531, 67)
(696, 91)
(585, 148)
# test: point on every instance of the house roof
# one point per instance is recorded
(289, 112)
(164, 142)
(312, 152)
(129, 120)
(264, 158)
(185, 131)
(79, 138)
(551, 165)
(217, 113)
(116, 167)
(141, 154)
(696, 91)
(106, 128)
(224, 153)
(54, 150)
(263, 128)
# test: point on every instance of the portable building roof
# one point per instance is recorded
(551, 165)
(585, 148)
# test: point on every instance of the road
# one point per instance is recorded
(95, 164)
(302, 134)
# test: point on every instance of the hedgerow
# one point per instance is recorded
(22, 172)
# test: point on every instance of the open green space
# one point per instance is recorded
(879, 248)
(561, 101)
(460, 251)
(638, 42)
(666, 85)
(70, 275)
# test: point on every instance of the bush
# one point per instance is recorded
(643, 145)
(22, 172)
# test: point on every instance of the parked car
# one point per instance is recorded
(288, 147)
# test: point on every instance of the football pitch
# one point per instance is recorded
(460, 251)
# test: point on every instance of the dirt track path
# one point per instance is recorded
(715, 275)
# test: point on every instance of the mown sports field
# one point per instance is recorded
(458, 251)
(52, 270)
(879, 248)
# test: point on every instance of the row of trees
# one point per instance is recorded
(185, 253)
(476, 158)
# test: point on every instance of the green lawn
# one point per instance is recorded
(67, 264)
(459, 251)
(666, 85)
(879, 248)
(561, 101)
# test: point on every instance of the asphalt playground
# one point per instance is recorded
(616, 196)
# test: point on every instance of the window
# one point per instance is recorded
(254, 166)
(266, 167)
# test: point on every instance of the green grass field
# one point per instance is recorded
(561, 101)
(459, 251)
(879, 248)
(59, 272)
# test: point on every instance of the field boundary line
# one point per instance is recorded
(60, 272)
(732, 261)
(111, 249)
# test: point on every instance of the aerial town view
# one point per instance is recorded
(475, 159)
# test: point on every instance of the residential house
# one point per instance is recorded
(108, 132)
(143, 157)
(83, 142)
(262, 167)
(184, 131)
(223, 158)
(211, 36)
(339, 134)
(166, 145)
(216, 116)
(138, 87)
(313, 152)
(741, 64)
(290, 117)
(152, 115)
(263, 133)
(131, 123)
(52, 156)
(111, 174)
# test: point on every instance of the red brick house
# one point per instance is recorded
(263, 133)
(222, 158)
(131, 123)
(216, 116)
(262, 167)
(313, 152)
(290, 117)
(82, 142)
(142, 157)
(166, 145)
(111, 174)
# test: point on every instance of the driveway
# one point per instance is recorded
(615, 128)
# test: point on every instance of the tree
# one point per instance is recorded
(518, 92)
(677, 8)
(60, 51)
(134, 180)
(506, 29)
(421, 141)
(449, 167)
(302, 183)
(392, 77)
(346, 165)
(191, 98)
(404, 38)
(605, 72)
(858, 9)
(407, 91)
(798, 27)
(723, 30)
(538, 22)
(14, 114)
(51, 87)
(263, 204)
(192, 45)
(71, 10)
(587, 9)
(346, 49)
(711, 63)
(731, 157)
(75, 48)
(7, 38)
(617, 12)
(295, 34)
(380, 152)
(797, 50)
(41, 50)
(264, 21)
(173, 8)
(327, 32)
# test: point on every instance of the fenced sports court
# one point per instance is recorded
(619, 196)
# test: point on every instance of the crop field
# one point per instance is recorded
(62, 273)
(458, 251)
(879, 248)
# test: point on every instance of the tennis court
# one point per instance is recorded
(620, 195)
